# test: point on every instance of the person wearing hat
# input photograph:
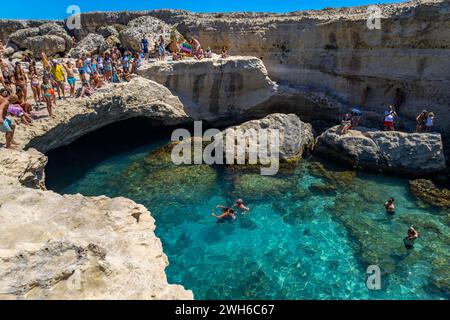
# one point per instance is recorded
(59, 77)
(429, 122)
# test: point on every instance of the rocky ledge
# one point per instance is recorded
(112, 103)
(396, 152)
(74, 247)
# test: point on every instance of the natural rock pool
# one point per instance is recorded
(311, 232)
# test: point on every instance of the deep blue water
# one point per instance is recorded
(297, 242)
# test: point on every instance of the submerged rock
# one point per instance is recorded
(255, 186)
(427, 191)
(398, 152)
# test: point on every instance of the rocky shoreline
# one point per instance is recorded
(108, 249)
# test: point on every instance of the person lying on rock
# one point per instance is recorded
(7, 125)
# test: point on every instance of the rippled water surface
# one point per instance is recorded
(310, 234)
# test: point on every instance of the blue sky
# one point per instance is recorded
(56, 9)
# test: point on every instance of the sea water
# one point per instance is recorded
(297, 242)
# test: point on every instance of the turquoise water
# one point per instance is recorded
(309, 234)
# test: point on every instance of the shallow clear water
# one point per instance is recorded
(297, 242)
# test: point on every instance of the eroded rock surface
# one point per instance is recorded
(398, 152)
(113, 103)
(75, 247)
(296, 137)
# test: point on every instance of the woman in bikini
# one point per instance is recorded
(35, 83)
(6, 78)
(47, 90)
(20, 80)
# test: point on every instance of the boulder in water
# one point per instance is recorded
(398, 152)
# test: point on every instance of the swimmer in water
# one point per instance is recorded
(390, 207)
(411, 237)
(241, 206)
(228, 214)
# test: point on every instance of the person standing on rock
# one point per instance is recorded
(20, 80)
(70, 70)
(162, 48)
(7, 126)
(389, 119)
(59, 77)
(35, 83)
(420, 120)
(47, 89)
(429, 123)
(399, 99)
(144, 47)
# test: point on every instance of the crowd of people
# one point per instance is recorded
(60, 79)
(351, 120)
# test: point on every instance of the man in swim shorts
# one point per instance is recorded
(7, 125)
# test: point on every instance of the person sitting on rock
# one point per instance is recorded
(420, 120)
(390, 207)
(16, 110)
(356, 116)
(411, 237)
(208, 53)
(429, 123)
(389, 119)
(346, 124)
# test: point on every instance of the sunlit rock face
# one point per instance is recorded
(112, 103)
(334, 51)
(397, 152)
(214, 88)
(74, 247)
